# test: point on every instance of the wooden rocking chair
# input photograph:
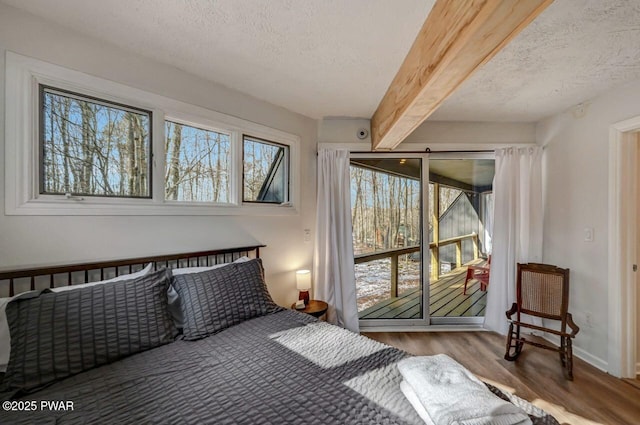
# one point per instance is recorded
(543, 291)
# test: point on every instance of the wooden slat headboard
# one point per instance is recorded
(73, 274)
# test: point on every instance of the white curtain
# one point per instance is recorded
(517, 227)
(333, 259)
(486, 205)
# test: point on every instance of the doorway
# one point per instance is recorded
(637, 306)
(420, 224)
(624, 200)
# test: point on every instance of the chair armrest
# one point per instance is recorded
(574, 328)
(512, 311)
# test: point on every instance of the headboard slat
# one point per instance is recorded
(170, 260)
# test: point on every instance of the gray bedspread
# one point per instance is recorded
(281, 368)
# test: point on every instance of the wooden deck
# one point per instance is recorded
(446, 300)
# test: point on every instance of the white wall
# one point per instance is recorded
(344, 131)
(576, 197)
(454, 135)
(473, 133)
(49, 240)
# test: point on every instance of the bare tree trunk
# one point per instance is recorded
(174, 163)
(376, 208)
(104, 158)
(356, 178)
(141, 157)
(393, 225)
(214, 172)
(51, 183)
(131, 154)
(64, 114)
(218, 181)
(86, 160)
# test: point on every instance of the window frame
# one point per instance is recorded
(42, 89)
(24, 75)
(287, 169)
(206, 127)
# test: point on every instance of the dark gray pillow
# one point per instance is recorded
(58, 334)
(217, 299)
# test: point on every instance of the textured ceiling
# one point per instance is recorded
(337, 57)
(315, 57)
(575, 50)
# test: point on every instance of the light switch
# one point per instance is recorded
(307, 235)
(588, 234)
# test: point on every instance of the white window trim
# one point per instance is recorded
(22, 197)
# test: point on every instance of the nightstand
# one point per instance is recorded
(315, 308)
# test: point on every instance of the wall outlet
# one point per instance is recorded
(307, 235)
(588, 319)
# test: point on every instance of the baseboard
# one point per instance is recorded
(594, 361)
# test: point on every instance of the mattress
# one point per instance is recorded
(281, 368)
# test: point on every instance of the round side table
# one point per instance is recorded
(315, 308)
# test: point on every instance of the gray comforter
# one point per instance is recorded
(281, 368)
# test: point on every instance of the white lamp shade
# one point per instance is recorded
(303, 280)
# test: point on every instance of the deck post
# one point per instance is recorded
(435, 220)
(459, 254)
(435, 260)
(474, 238)
(394, 276)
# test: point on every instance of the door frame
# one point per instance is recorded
(372, 324)
(623, 233)
(453, 321)
(427, 323)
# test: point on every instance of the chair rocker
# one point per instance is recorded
(542, 291)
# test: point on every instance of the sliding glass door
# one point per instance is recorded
(460, 225)
(422, 237)
(388, 198)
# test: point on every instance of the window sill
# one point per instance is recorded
(94, 207)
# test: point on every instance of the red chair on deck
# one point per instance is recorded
(480, 273)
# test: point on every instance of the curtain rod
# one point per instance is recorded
(427, 150)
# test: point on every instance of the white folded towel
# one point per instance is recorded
(448, 393)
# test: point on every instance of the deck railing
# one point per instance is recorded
(434, 247)
(395, 253)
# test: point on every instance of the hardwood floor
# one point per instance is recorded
(593, 397)
(634, 382)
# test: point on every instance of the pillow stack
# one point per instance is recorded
(217, 299)
(59, 332)
(56, 335)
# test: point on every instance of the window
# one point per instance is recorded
(265, 171)
(92, 147)
(81, 145)
(197, 164)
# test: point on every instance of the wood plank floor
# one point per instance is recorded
(593, 397)
(446, 300)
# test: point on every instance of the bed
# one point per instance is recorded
(266, 365)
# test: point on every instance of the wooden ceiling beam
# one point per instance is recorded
(456, 39)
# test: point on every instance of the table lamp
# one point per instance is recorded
(303, 283)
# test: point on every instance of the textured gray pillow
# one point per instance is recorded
(217, 299)
(56, 335)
